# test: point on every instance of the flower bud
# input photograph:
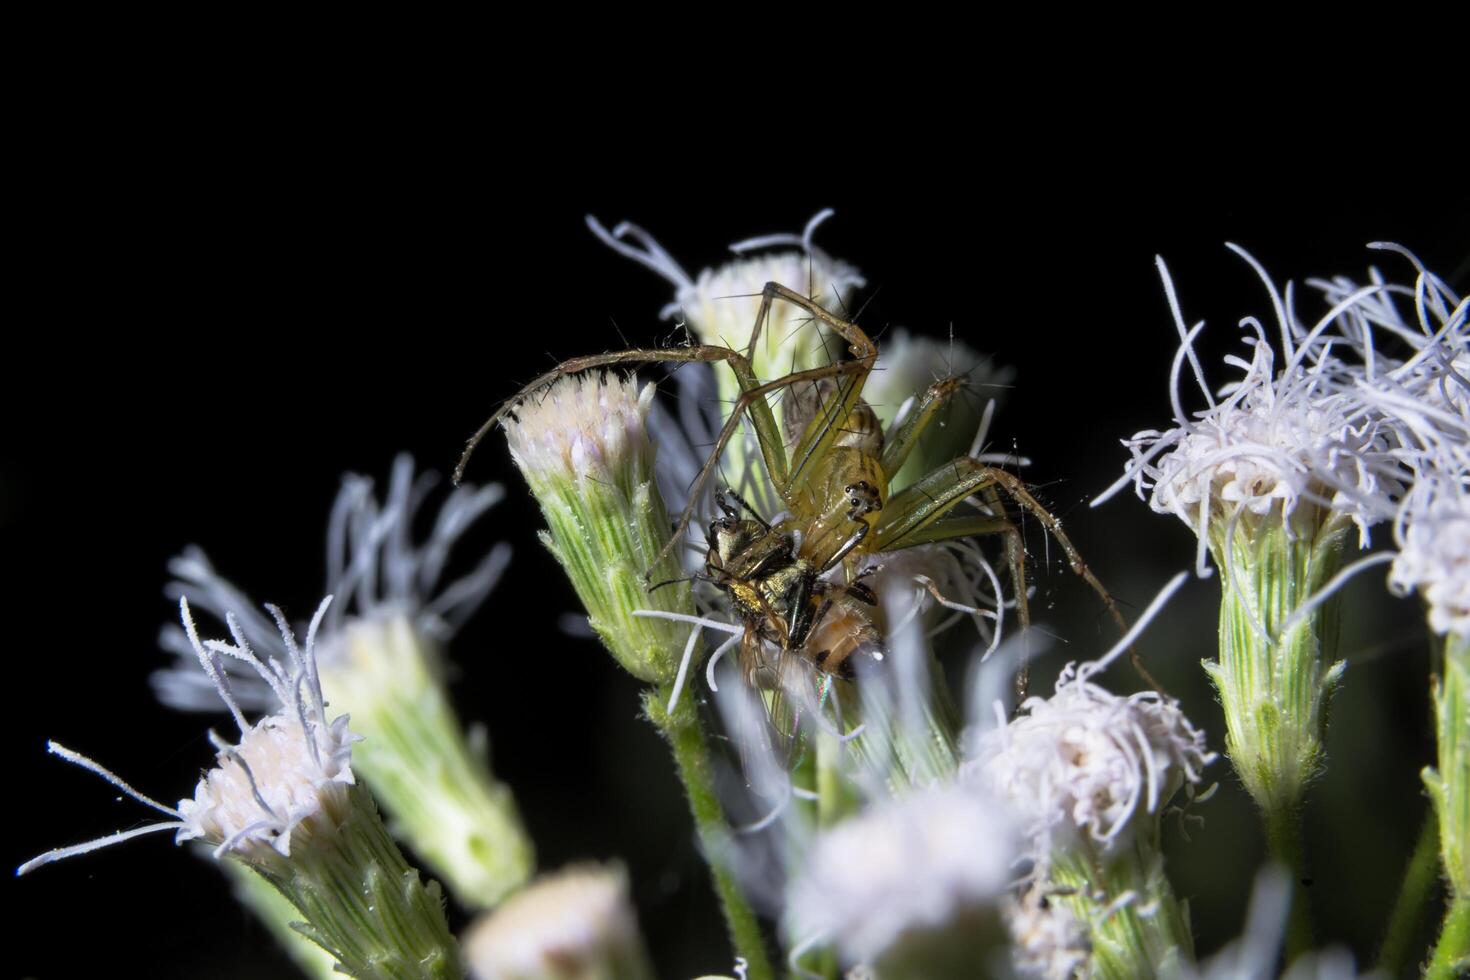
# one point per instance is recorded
(577, 924)
(583, 447)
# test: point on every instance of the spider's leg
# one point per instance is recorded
(913, 510)
(950, 529)
(772, 449)
(1016, 568)
(898, 445)
(827, 423)
(1016, 490)
(753, 399)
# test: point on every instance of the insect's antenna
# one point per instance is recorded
(696, 577)
(748, 509)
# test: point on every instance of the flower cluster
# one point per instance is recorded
(1434, 552)
(288, 769)
(284, 800)
(1293, 443)
(1086, 761)
(380, 659)
(721, 302)
(584, 427)
(1426, 391)
(375, 569)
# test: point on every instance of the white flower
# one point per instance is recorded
(1435, 367)
(919, 863)
(380, 657)
(721, 303)
(590, 426)
(1294, 442)
(287, 770)
(1086, 761)
(1433, 536)
(1426, 391)
(374, 568)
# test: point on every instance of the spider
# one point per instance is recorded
(831, 468)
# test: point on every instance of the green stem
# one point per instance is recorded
(1284, 841)
(1408, 912)
(1452, 954)
(687, 739)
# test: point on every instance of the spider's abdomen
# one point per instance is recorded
(860, 430)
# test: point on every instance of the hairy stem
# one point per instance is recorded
(1284, 842)
(686, 737)
(1407, 917)
(1452, 954)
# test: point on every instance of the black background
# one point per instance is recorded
(221, 319)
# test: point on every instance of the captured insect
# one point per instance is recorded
(796, 584)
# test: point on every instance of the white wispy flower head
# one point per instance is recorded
(376, 568)
(289, 769)
(1434, 552)
(577, 923)
(590, 426)
(913, 864)
(379, 649)
(721, 303)
(1434, 368)
(1088, 762)
(1291, 441)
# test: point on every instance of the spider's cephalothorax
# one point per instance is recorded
(832, 471)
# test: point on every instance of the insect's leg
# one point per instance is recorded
(728, 510)
(860, 591)
(827, 422)
(798, 600)
(857, 538)
(817, 617)
(950, 529)
(896, 447)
